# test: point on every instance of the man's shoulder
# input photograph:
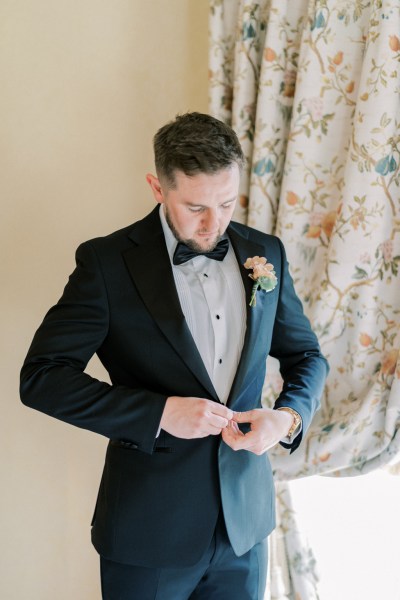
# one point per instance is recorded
(112, 237)
(253, 234)
(121, 237)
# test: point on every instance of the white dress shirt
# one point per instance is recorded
(212, 299)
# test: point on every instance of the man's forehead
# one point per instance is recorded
(223, 177)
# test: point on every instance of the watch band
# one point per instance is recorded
(296, 420)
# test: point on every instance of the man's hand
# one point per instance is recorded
(190, 418)
(268, 427)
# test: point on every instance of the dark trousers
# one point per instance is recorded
(219, 575)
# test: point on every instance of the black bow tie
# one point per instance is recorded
(183, 253)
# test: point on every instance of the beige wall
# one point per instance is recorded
(85, 84)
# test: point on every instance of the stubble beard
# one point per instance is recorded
(190, 243)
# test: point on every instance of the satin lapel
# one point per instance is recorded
(150, 268)
(244, 249)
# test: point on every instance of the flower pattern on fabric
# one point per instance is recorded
(316, 92)
(313, 94)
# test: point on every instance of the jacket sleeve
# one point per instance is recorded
(294, 344)
(53, 380)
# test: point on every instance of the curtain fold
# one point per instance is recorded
(312, 88)
(293, 567)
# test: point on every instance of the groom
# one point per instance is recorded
(186, 499)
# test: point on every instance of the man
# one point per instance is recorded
(186, 500)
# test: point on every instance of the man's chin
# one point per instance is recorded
(205, 244)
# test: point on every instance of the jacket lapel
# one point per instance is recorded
(245, 248)
(149, 265)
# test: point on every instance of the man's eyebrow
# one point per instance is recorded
(198, 204)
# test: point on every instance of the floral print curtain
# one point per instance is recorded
(312, 88)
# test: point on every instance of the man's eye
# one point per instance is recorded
(195, 210)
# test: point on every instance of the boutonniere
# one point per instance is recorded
(263, 275)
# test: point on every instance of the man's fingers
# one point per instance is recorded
(221, 410)
(245, 442)
(214, 417)
(237, 440)
(217, 421)
(240, 444)
(244, 417)
(235, 427)
(189, 417)
(233, 430)
(264, 432)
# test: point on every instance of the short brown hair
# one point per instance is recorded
(195, 143)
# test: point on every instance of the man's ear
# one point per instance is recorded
(155, 185)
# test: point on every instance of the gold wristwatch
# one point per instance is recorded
(296, 420)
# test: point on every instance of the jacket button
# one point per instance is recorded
(127, 444)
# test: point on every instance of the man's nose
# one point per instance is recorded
(210, 221)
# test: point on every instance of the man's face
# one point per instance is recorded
(199, 208)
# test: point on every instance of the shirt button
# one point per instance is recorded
(205, 275)
(220, 361)
(218, 317)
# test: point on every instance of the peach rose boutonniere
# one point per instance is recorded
(263, 275)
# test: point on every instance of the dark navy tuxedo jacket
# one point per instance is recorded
(159, 497)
